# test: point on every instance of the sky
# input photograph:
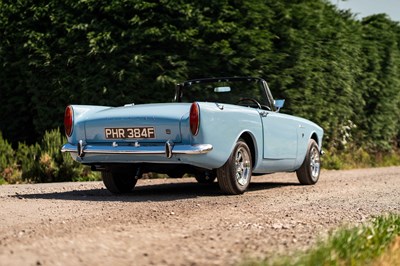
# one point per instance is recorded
(365, 8)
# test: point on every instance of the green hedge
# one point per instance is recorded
(340, 72)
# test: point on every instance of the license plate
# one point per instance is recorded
(130, 133)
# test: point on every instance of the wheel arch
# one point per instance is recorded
(318, 139)
(251, 143)
(315, 137)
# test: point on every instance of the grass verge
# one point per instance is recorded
(374, 243)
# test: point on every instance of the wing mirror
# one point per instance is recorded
(279, 104)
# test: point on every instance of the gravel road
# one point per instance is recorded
(180, 222)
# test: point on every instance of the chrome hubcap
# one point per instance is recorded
(242, 164)
(315, 163)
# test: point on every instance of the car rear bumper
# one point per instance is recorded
(168, 149)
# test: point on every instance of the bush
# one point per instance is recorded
(7, 160)
(55, 166)
(359, 158)
(6, 153)
(332, 161)
(27, 158)
(42, 162)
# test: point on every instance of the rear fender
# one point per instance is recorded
(221, 125)
(81, 113)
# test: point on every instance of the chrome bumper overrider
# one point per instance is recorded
(168, 149)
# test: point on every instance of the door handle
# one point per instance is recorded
(263, 114)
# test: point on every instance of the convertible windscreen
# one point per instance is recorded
(223, 91)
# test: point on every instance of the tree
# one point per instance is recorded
(381, 82)
(318, 55)
(331, 68)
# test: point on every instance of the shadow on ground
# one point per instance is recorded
(152, 192)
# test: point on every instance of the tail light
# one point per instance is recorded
(68, 120)
(194, 118)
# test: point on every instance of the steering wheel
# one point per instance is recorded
(250, 100)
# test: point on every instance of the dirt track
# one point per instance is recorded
(180, 222)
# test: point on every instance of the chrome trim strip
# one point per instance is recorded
(145, 150)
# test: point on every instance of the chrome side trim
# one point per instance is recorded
(142, 150)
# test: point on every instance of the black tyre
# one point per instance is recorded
(235, 175)
(308, 173)
(118, 182)
(206, 177)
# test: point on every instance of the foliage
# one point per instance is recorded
(348, 246)
(391, 256)
(342, 73)
(381, 82)
(358, 157)
(27, 157)
(60, 52)
(318, 52)
(6, 153)
(41, 162)
(7, 161)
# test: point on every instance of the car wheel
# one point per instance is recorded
(206, 177)
(118, 182)
(308, 173)
(235, 175)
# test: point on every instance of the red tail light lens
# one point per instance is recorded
(194, 118)
(68, 120)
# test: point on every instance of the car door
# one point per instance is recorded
(280, 139)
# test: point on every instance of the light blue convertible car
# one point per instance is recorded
(217, 128)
